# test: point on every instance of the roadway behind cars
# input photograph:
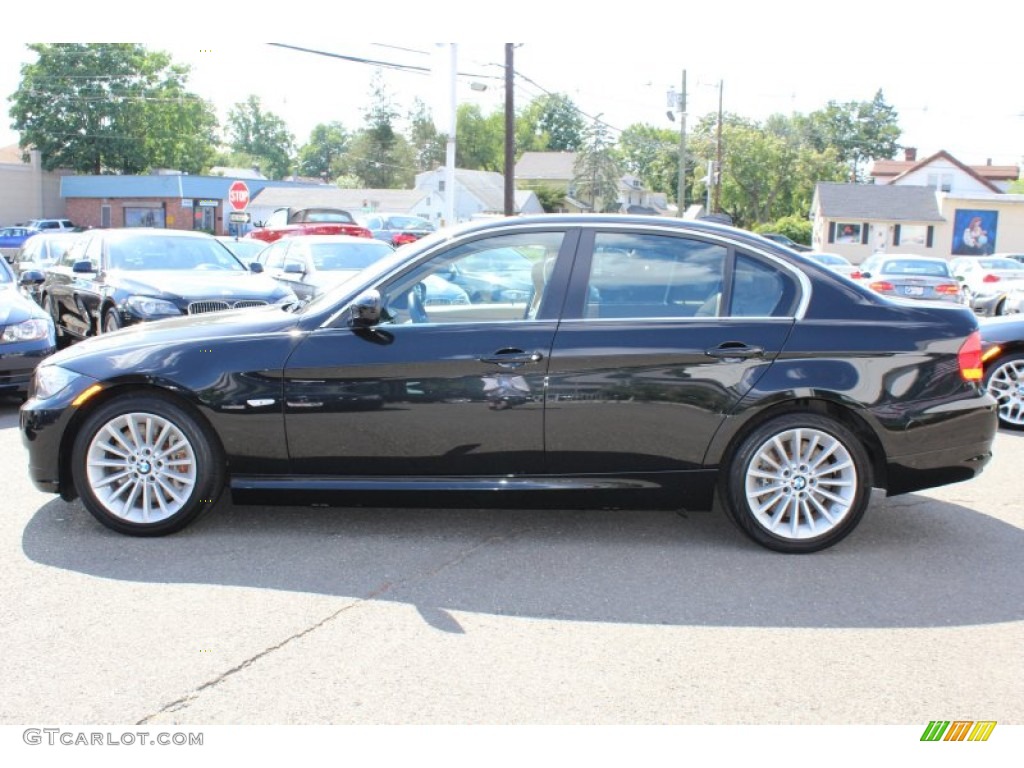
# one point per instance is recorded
(260, 615)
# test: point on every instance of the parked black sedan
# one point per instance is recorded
(662, 362)
(1003, 355)
(110, 278)
(26, 333)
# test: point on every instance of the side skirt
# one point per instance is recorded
(668, 490)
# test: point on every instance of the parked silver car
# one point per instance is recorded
(911, 277)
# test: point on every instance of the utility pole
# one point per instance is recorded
(510, 135)
(449, 174)
(681, 106)
(718, 149)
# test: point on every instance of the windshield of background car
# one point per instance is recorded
(497, 260)
(148, 252)
(332, 257)
(374, 272)
(1001, 264)
(924, 268)
(408, 222)
(333, 217)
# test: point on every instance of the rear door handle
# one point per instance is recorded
(735, 349)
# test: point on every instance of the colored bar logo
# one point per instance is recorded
(958, 730)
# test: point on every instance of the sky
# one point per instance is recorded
(785, 57)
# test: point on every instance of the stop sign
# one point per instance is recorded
(238, 195)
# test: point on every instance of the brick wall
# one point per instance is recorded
(86, 212)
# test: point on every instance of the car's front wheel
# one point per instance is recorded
(111, 321)
(798, 483)
(145, 466)
(1004, 380)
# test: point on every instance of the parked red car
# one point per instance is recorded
(285, 222)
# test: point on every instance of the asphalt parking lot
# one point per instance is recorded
(299, 615)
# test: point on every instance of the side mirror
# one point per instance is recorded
(31, 277)
(365, 310)
(255, 267)
(83, 267)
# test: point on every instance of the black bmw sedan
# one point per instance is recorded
(110, 278)
(657, 363)
(26, 334)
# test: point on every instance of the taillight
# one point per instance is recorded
(969, 358)
(881, 285)
(948, 289)
(856, 275)
(990, 278)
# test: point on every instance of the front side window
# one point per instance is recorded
(499, 278)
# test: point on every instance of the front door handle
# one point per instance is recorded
(735, 349)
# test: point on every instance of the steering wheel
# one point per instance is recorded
(417, 312)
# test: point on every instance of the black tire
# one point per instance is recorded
(803, 462)
(111, 321)
(145, 466)
(1004, 380)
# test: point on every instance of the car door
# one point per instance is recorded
(442, 387)
(72, 291)
(663, 335)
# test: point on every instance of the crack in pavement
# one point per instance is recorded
(185, 701)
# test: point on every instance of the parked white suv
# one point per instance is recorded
(50, 225)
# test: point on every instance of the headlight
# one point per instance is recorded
(50, 380)
(147, 307)
(29, 330)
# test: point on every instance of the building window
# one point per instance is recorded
(144, 217)
(941, 181)
(105, 216)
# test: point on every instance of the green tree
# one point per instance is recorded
(480, 140)
(428, 146)
(378, 154)
(321, 156)
(551, 123)
(263, 135)
(111, 108)
(768, 171)
(652, 155)
(858, 131)
(597, 172)
(551, 199)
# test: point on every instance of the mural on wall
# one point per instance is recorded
(974, 232)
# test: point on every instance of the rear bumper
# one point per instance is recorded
(945, 444)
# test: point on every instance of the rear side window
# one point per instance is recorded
(761, 290)
(637, 275)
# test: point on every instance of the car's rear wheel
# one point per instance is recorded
(143, 465)
(1004, 380)
(798, 483)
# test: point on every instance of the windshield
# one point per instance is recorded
(148, 252)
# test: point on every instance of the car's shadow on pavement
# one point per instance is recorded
(913, 562)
